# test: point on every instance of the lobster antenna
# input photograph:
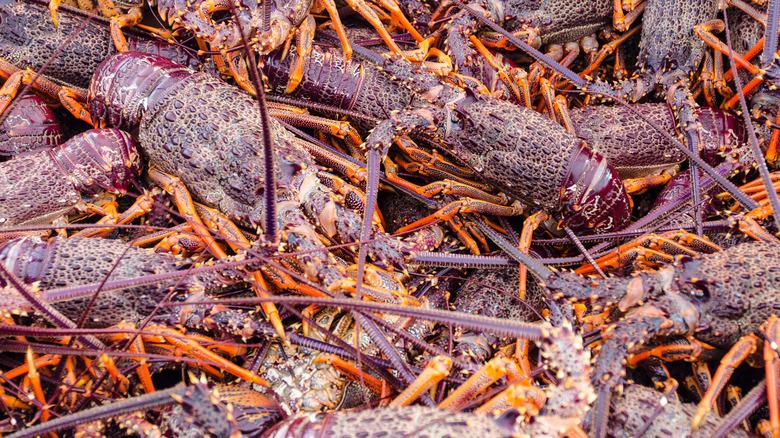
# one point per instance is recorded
(498, 326)
(770, 33)
(541, 272)
(774, 7)
(270, 229)
(586, 86)
(144, 402)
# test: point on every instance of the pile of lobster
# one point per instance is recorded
(252, 219)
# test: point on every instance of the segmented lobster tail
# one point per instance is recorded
(100, 160)
(127, 84)
(593, 196)
(29, 125)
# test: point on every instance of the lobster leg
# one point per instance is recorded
(305, 39)
(738, 353)
(475, 201)
(622, 21)
(668, 352)
(487, 375)
(771, 332)
(703, 378)
(517, 395)
(365, 10)
(35, 382)
(435, 165)
(142, 205)
(354, 198)
(174, 186)
(351, 371)
(637, 186)
(711, 77)
(189, 346)
(68, 97)
(734, 398)
(529, 226)
(131, 18)
(437, 369)
(333, 13)
(515, 82)
(652, 249)
(608, 49)
(340, 129)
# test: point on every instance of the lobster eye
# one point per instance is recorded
(702, 291)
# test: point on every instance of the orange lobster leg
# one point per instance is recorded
(738, 353)
(186, 206)
(521, 395)
(622, 21)
(189, 345)
(69, 98)
(529, 226)
(35, 382)
(651, 249)
(487, 375)
(771, 331)
(351, 371)
(437, 369)
(518, 85)
(142, 205)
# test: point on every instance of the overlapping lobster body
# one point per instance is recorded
(514, 149)
(38, 187)
(81, 261)
(208, 134)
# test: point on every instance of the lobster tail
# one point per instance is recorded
(100, 160)
(127, 84)
(30, 125)
(593, 183)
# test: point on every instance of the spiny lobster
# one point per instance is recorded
(28, 42)
(717, 298)
(39, 187)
